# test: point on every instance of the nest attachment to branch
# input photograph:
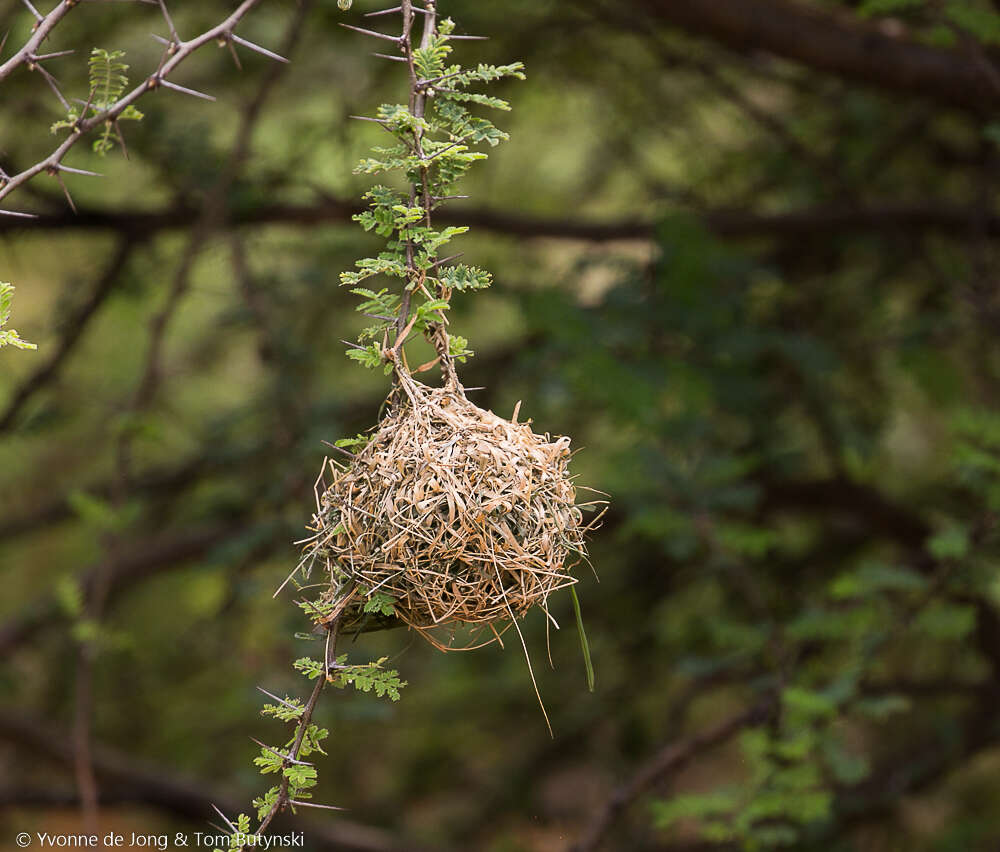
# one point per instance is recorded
(457, 514)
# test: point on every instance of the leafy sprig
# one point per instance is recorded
(379, 602)
(108, 82)
(369, 677)
(365, 677)
(434, 149)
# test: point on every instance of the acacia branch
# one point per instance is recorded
(282, 800)
(175, 54)
(838, 43)
(40, 32)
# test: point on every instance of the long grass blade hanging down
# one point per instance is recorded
(584, 644)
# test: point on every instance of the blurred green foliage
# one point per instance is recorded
(783, 369)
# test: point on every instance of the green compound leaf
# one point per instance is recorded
(371, 677)
(108, 82)
(8, 336)
(381, 603)
(311, 668)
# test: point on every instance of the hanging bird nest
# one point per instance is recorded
(459, 515)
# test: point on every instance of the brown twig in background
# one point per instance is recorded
(163, 553)
(83, 702)
(670, 759)
(71, 333)
(828, 41)
(821, 166)
(809, 222)
(212, 217)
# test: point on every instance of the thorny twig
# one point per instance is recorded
(28, 54)
(283, 799)
(176, 52)
(437, 333)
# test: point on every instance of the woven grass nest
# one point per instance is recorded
(458, 514)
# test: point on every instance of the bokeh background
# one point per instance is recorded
(744, 253)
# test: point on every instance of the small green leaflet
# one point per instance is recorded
(8, 336)
(381, 603)
(107, 85)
